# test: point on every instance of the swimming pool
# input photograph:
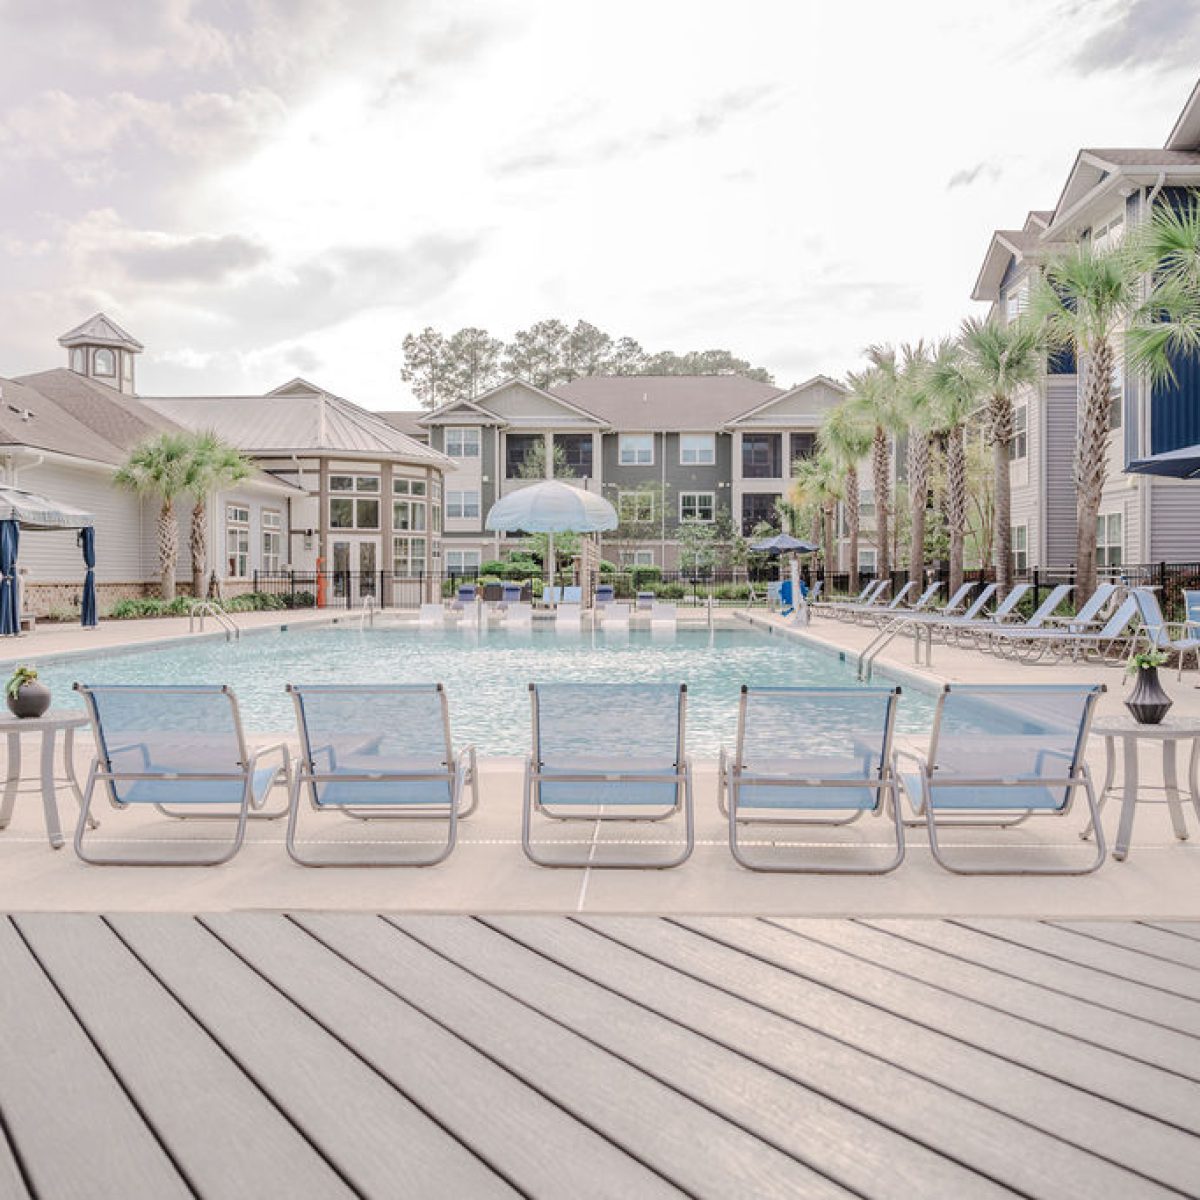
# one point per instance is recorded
(485, 672)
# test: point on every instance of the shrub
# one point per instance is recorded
(644, 578)
(493, 566)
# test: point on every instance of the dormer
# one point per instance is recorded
(103, 351)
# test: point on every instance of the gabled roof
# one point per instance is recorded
(100, 330)
(446, 413)
(685, 402)
(305, 419)
(766, 412)
(406, 420)
(30, 417)
(1038, 218)
(1185, 134)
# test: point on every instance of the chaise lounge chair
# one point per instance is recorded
(999, 754)
(171, 748)
(810, 756)
(1108, 641)
(379, 753)
(607, 752)
(981, 632)
(1156, 629)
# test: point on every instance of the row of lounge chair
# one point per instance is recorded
(997, 756)
(1110, 624)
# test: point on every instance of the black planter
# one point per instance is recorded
(1148, 702)
(32, 700)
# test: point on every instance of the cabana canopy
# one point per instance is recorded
(26, 510)
(1175, 464)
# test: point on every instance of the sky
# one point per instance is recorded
(258, 189)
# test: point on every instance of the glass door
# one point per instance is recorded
(355, 563)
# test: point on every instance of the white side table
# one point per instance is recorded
(1169, 732)
(48, 725)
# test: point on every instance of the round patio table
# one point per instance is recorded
(48, 725)
(1170, 732)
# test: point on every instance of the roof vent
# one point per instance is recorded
(24, 413)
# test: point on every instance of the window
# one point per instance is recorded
(576, 452)
(1109, 540)
(462, 506)
(462, 443)
(696, 506)
(866, 559)
(1020, 547)
(637, 558)
(518, 447)
(462, 562)
(408, 515)
(1019, 446)
(635, 507)
(1116, 392)
(866, 504)
(408, 555)
(105, 363)
(803, 445)
(77, 361)
(1017, 301)
(758, 508)
(237, 541)
(697, 449)
(272, 540)
(1109, 235)
(635, 449)
(761, 455)
(348, 508)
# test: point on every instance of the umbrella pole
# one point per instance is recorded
(550, 564)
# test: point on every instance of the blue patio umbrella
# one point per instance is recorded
(551, 507)
(87, 540)
(1183, 463)
(783, 543)
(10, 617)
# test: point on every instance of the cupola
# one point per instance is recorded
(102, 350)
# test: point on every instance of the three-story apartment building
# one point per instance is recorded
(1142, 519)
(663, 450)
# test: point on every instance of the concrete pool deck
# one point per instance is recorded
(488, 871)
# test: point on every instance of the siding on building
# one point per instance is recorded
(1059, 508)
(1175, 529)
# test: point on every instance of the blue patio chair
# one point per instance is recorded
(466, 595)
(1002, 753)
(607, 752)
(645, 601)
(1156, 629)
(168, 747)
(1075, 640)
(982, 631)
(810, 756)
(605, 594)
(379, 753)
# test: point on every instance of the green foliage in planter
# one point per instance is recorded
(20, 677)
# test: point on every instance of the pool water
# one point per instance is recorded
(485, 673)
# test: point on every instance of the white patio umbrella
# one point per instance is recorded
(551, 507)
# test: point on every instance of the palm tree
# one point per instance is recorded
(818, 483)
(1006, 358)
(916, 410)
(956, 392)
(845, 439)
(213, 464)
(1096, 301)
(159, 467)
(875, 393)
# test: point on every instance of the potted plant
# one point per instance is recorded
(26, 696)
(1148, 702)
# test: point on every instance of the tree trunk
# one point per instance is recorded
(852, 525)
(956, 502)
(881, 467)
(198, 545)
(1001, 417)
(918, 490)
(168, 549)
(827, 544)
(1091, 465)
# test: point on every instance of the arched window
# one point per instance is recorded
(105, 363)
(77, 360)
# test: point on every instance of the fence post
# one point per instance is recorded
(1037, 588)
(256, 579)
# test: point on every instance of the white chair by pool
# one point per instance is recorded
(379, 753)
(518, 614)
(170, 747)
(431, 614)
(615, 614)
(805, 757)
(999, 754)
(568, 618)
(663, 614)
(608, 752)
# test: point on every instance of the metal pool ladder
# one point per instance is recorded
(209, 608)
(921, 631)
(366, 614)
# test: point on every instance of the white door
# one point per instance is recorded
(355, 568)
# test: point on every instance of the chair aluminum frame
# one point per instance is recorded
(732, 777)
(461, 771)
(101, 772)
(1077, 777)
(532, 801)
(1156, 632)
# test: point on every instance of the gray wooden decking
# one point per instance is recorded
(315, 1055)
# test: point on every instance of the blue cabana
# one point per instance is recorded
(24, 510)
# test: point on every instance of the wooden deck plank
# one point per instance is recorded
(719, 993)
(1083, 983)
(1060, 943)
(1115, 1055)
(381, 1142)
(678, 1138)
(542, 1150)
(1182, 952)
(1086, 1127)
(174, 1070)
(75, 1129)
(836, 1141)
